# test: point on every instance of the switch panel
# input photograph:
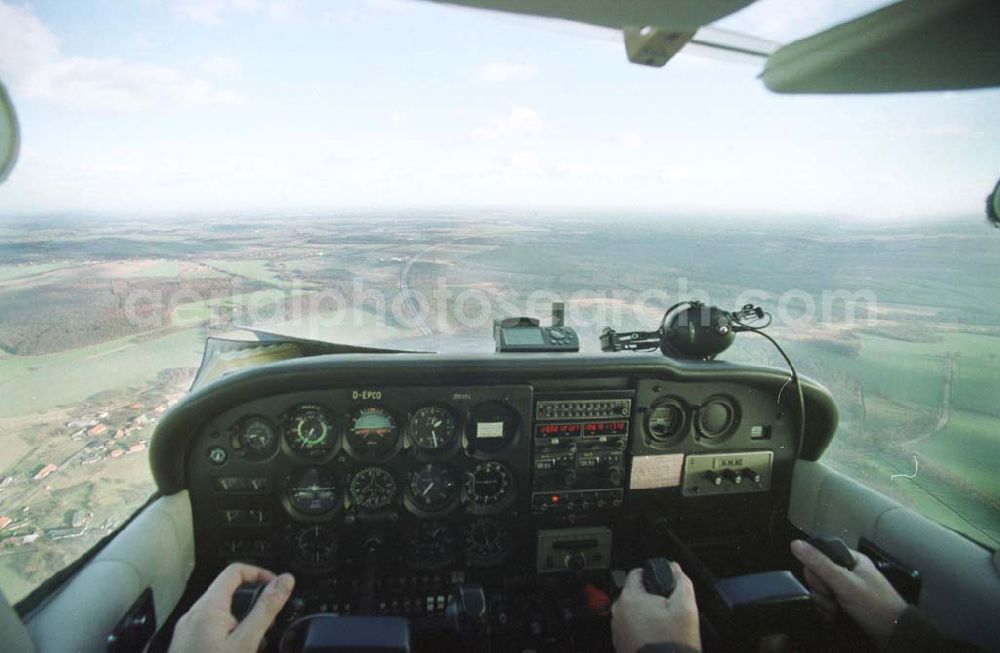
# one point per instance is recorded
(727, 473)
(573, 549)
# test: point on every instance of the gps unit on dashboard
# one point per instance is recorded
(525, 335)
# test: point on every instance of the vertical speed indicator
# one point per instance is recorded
(432, 489)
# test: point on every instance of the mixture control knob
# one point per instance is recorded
(732, 476)
(575, 561)
(750, 475)
(615, 477)
(713, 477)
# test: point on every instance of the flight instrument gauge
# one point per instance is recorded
(313, 492)
(491, 427)
(666, 420)
(485, 542)
(490, 485)
(314, 546)
(372, 488)
(432, 430)
(256, 437)
(373, 433)
(310, 432)
(433, 545)
(432, 488)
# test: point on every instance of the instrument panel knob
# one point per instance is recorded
(575, 561)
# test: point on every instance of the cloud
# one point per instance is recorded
(26, 44)
(950, 129)
(119, 86)
(346, 18)
(32, 63)
(524, 163)
(520, 120)
(391, 5)
(212, 12)
(505, 71)
(630, 139)
(225, 66)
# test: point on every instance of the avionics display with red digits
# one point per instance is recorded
(569, 430)
(585, 429)
(618, 427)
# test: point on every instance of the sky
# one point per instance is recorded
(178, 107)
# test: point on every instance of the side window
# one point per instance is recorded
(920, 424)
(81, 390)
(903, 334)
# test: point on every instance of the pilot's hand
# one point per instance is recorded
(639, 618)
(210, 626)
(862, 592)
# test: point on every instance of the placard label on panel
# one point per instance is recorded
(651, 472)
(486, 430)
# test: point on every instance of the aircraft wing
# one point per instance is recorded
(911, 45)
(678, 14)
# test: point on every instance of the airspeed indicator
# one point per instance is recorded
(310, 432)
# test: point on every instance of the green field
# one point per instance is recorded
(255, 268)
(889, 369)
(934, 499)
(261, 301)
(976, 384)
(163, 269)
(13, 583)
(884, 416)
(904, 386)
(969, 446)
(8, 272)
(912, 372)
(30, 384)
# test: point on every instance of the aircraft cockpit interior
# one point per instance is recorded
(574, 489)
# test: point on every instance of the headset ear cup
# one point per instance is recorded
(667, 326)
(666, 347)
(701, 337)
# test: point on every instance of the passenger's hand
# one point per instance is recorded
(639, 618)
(210, 626)
(863, 592)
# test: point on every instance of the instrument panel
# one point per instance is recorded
(384, 482)
(390, 484)
(317, 479)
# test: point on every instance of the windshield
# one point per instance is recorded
(401, 174)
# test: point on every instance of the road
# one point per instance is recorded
(944, 415)
(404, 288)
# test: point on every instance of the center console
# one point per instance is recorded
(579, 455)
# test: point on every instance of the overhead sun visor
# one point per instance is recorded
(677, 14)
(913, 45)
